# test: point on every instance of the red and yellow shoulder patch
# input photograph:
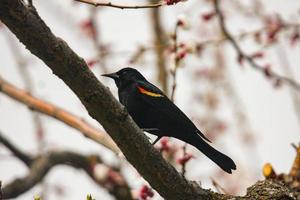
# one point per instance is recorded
(146, 92)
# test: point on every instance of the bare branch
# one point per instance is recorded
(160, 43)
(248, 58)
(57, 113)
(102, 52)
(218, 187)
(110, 4)
(176, 61)
(44, 163)
(26, 159)
(243, 35)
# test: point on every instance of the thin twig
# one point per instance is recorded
(97, 40)
(176, 62)
(57, 113)
(174, 85)
(26, 159)
(183, 167)
(243, 35)
(218, 187)
(137, 55)
(248, 58)
(110, 4)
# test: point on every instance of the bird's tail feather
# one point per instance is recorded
(217, 157)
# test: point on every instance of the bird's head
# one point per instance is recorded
(125, 76)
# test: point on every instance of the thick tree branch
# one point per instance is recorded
(249, 59)
(26, 159)
(110, 4)
(44, 163)
(57, 113)
(26, 24)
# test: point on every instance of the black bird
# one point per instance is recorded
(155, 113)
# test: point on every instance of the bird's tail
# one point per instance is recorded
(217, 157)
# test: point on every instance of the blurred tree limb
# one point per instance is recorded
(242, 55)
(160, 43)
(31, 30)
(40, 165)
(58, 113)
(26, 159)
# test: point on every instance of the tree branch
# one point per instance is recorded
(248, 58)
(110, 4)
(160, 43)
(44, 163)
(26, 159)
(30, 29)
(57, 113)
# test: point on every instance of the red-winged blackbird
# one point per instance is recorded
(153, 112)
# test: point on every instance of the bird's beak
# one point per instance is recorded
(112, 75)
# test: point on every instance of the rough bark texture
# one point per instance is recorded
(29, 28)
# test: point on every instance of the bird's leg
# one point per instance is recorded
(150, 129)
(156, 140)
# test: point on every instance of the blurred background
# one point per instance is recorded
(235, 98)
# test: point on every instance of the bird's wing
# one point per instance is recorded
(154, 97)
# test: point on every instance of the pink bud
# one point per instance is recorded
(258, 54)
(294, 38)
(267, 70)
(183, 160)
(91, 63)
(146, 192)
(240, 59)
(208, 16)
